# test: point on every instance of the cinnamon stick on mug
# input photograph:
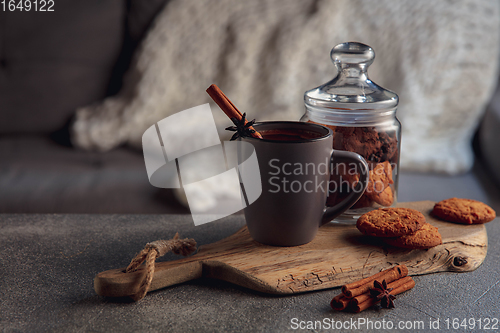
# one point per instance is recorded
(228, 107)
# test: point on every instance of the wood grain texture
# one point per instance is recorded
(338, 255)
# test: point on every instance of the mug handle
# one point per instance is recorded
(347, 157)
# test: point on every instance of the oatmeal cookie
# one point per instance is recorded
(426, 237)
(380, 179)
(385, 198)
(378, 189)
(465, 211)
(390, 222)
(373, 145)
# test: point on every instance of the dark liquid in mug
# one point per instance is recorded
(289, 135)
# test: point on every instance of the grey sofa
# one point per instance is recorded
(51, 64)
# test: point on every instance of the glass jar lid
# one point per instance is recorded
(351, 89)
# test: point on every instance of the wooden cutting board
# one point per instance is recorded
(338, 255)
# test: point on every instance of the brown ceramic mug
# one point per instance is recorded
(295, 161)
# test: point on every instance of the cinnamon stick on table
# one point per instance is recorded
(357, 296)
(366, 301)
(228, 107)
(339, 302)
(362, 286)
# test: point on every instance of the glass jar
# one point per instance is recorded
(362, 116)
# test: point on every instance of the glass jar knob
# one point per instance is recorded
(351, 54)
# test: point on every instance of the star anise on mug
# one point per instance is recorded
(241, 128)
(381, 292)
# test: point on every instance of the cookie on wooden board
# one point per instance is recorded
(424, 238)
(465, 211)
(390, 222)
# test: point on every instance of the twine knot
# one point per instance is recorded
(154, 250)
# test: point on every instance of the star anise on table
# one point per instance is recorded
(241, 128)
(381, 292)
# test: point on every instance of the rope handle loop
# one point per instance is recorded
(155, 250)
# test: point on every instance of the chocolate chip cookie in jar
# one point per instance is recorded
(362, 116)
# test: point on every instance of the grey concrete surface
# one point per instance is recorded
(48, 262)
